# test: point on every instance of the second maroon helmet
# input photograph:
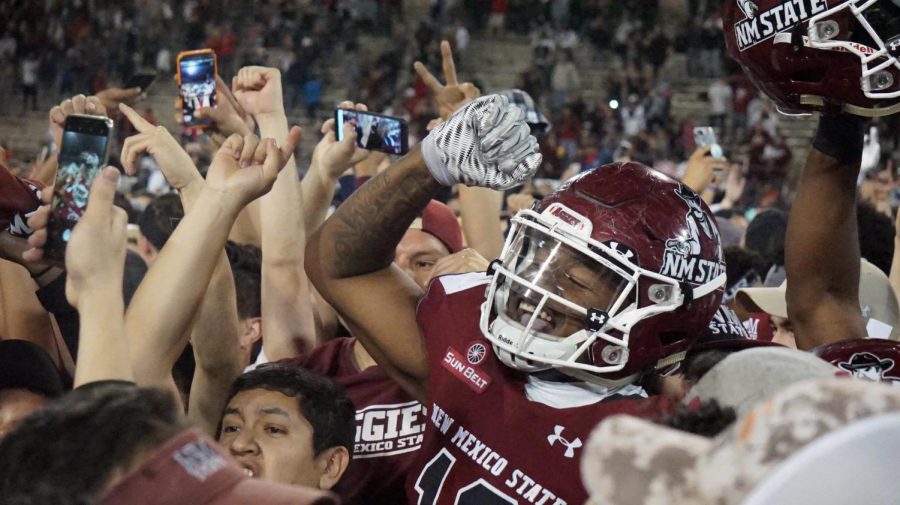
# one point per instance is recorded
(803, 52)
(873, 359)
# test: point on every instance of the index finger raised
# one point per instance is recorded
(140, 124)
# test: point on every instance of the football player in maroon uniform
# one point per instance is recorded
(610, 278)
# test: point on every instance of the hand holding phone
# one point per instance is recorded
(197, 84)
(702, 169)
(141, 80)
(706, 136)
(96, 252)
(374, 132)
(84, 151)
(78, 104)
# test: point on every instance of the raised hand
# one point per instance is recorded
(78, 104)
(95, 255)
(245, 168)
(228, 116)
(336, 157)
(734, 185)
(519, 201)
(156, 141)
(451, 96)
(462, 262)
(38, 224)
(701, 169)
(112, 97)
(486, 143)
(258, 91)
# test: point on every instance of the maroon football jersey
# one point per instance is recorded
(18, 198)
(485, 442)
(389, 425)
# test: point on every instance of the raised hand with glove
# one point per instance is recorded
(349, 259)
(486, 143)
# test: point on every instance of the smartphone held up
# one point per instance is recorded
(82, 156)
(374, 132)
(706, 136)
(141, 79)
(197, 72)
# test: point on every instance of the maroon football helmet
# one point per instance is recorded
(614, 274)
(800, 52)
(873, 359)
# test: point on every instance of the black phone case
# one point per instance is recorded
(55, 248)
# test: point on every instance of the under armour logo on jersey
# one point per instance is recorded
(570, 446)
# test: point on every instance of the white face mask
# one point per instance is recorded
(557, 292)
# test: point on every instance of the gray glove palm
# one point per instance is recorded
(486, 143)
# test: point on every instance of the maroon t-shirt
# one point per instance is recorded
(389, 425)
(18, 198)
(485, 442)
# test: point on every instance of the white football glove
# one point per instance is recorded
(486, 143)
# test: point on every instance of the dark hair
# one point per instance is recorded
(123, 203)
(44, 495)
(159, 219)
(135, 269)
(876, 236)
(183, 371)
(765, 235)
(739, 262)
(696, 365)
(246, 267)
(322, 402)
(708, 419)
(76, 444)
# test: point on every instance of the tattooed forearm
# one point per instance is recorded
(362, 235)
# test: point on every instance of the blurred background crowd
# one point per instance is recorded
(611, 77)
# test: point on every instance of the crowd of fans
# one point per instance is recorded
(546, 301)
(92, 46)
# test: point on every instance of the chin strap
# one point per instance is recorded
(818, 101)
(674, 359)
(690, 294)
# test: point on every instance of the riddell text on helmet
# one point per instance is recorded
(783, 16)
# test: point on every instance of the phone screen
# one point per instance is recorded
(704, 136)
(198, 85)
(374, 131)
(81, 157)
